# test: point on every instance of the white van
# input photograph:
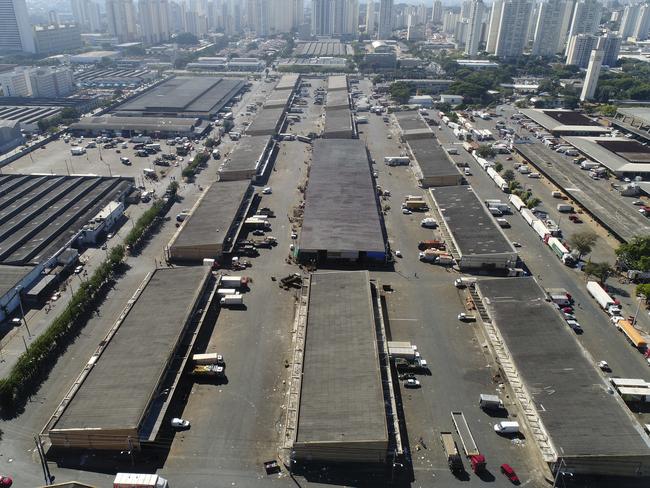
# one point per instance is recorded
(507, 427)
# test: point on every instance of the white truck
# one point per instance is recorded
(139, 480)
(464, 282)
(234, 281)
(77, 151)
(606, 302)
(232, 300)
(429, 223)
(564, 208)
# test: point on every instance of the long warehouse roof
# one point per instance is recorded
(571, 397)
(341, 212)
(342, 397)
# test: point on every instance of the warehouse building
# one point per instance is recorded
(195, 97)
(117, 405)
(212, 227)
(10, 135)
(479, 241)
(561, 122)
(337, 83)
(339, 124)
(248, 159)
(412, 126)
(287, 83)
(341, 218)
(268, 122)
(338, 100)
(328, 47)
(434, 168)
(634, 120)
(578, 424)
(113, 78)
(342, 414)
(623, 157)
(131, 126)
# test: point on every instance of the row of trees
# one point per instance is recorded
(193, 167)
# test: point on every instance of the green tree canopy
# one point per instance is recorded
(583, 242)
(635, 254)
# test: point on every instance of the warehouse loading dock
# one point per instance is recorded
(116, 405)
(342, 415)
(213, 225)
(480, 242)
(341, 218)
(583, 428)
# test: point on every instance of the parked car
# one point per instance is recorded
(6, 481)
(178, 423)
(509, 473)
(412, 383)
(267, 191)
(258, 232)
(78, 269)
(406, 211)
(604, 366)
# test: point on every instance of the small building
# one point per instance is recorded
(560, 122)
(452, 100)
(422, 100)
(10, 135)
(101, 223)
(130, 126)
(13, 281)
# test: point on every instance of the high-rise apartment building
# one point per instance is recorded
(86, 14)
(493, 26)
(635, 22)
(475, 27)
(436, 12)
(513, 28)
(586, 17)
(370, 18)
(15, 83)
(322, 21)
(15, 29)
(154, 20)
(593, 73)
(57, 39)
(51, 82)
(345, 19)
(386, 12)
(579, 49)
(120, 16)
(548, 27)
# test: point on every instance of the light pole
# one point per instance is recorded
(638, 306)
(22, 311)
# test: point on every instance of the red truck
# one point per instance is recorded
(432, 244)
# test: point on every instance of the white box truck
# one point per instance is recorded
(139, 480)
(606, 302)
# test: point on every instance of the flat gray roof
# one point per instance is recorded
(266, 122)
(337, 82)
(287, 82)
(341, 397)
(412, 121)
(431, 158)
(214, 215)
(640, 113)
(10, 276)
(612, 161)
(338, 99)
(338, 120)
(570, 396)
(117, 391)
(248, 153)
(196, 94)
(473, 229)
(332, 47)
(166, 124)
(341, 211)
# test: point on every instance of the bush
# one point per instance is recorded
(192, 168)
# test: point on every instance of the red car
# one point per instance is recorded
(5, 481)
(507, 470)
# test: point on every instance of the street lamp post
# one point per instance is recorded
(22, 311)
